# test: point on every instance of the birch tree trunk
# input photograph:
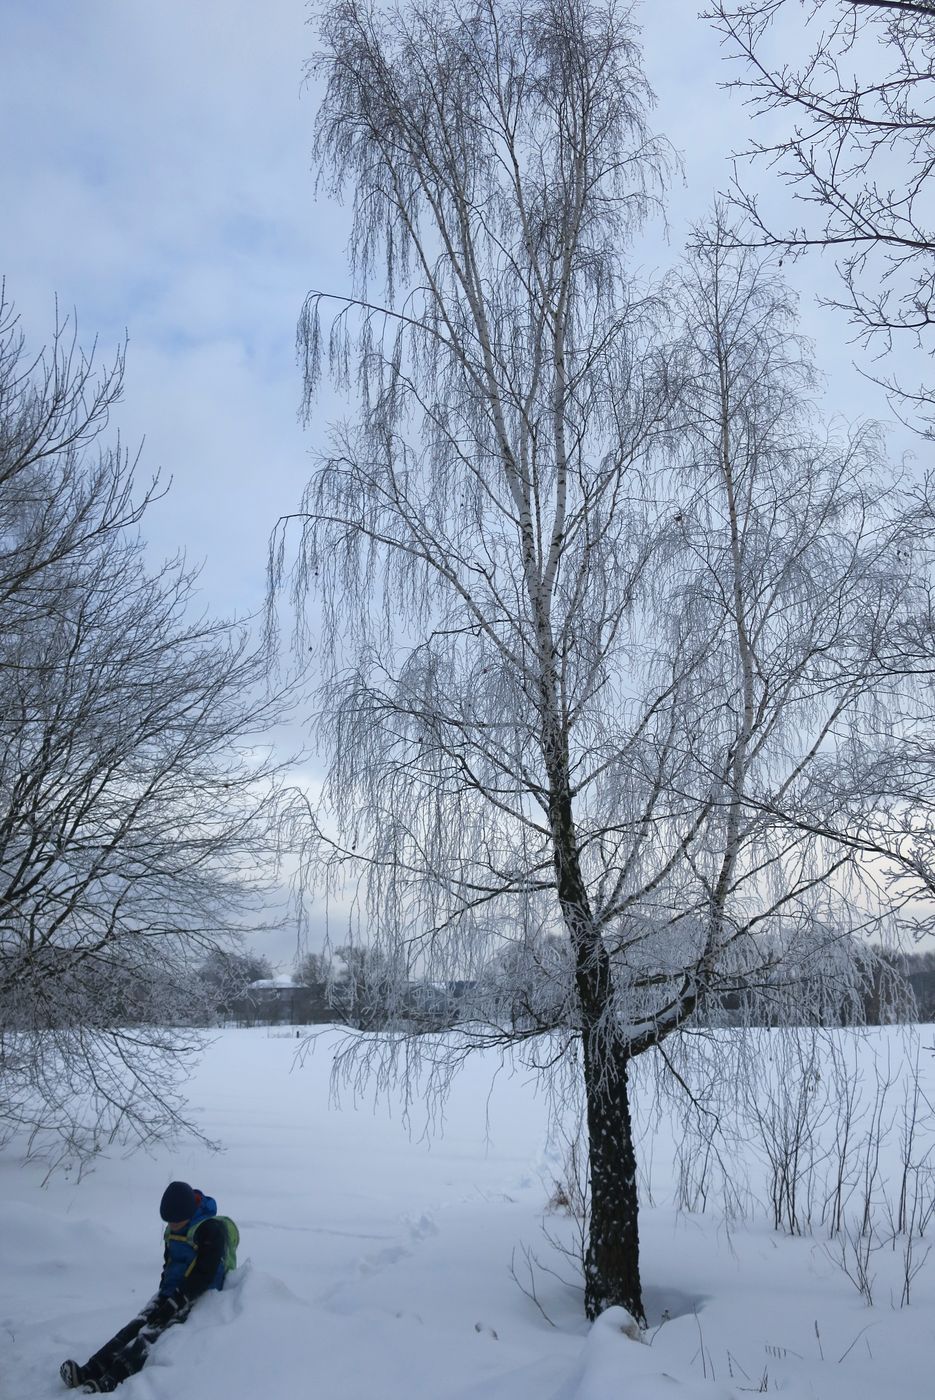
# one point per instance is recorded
(612, 1261)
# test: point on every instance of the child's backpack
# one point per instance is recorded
(233, 1240)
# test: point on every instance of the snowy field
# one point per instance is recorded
(377, 1265)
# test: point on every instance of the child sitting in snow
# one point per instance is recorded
(200, 1247)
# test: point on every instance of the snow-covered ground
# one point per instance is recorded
(377, 1264)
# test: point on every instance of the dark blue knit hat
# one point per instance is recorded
(178, 1201)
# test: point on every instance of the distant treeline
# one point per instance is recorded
(891, 987)
(358, 988)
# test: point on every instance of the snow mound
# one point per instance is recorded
(617, 1366)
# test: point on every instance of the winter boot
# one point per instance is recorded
(103, 1386)
(71, 1373)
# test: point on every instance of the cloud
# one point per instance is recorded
(156, 173)
(157, 163)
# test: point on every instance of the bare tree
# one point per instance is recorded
(134, 806)
(368, 990)
(857, 155)
(227, 972)
(592, 614)
(313, 969)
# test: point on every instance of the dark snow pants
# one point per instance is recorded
(126, 1352)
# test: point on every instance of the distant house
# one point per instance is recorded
(282, 1001)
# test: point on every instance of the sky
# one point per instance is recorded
(156, 176)
(155, 163)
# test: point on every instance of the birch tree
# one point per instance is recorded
(591, 601)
